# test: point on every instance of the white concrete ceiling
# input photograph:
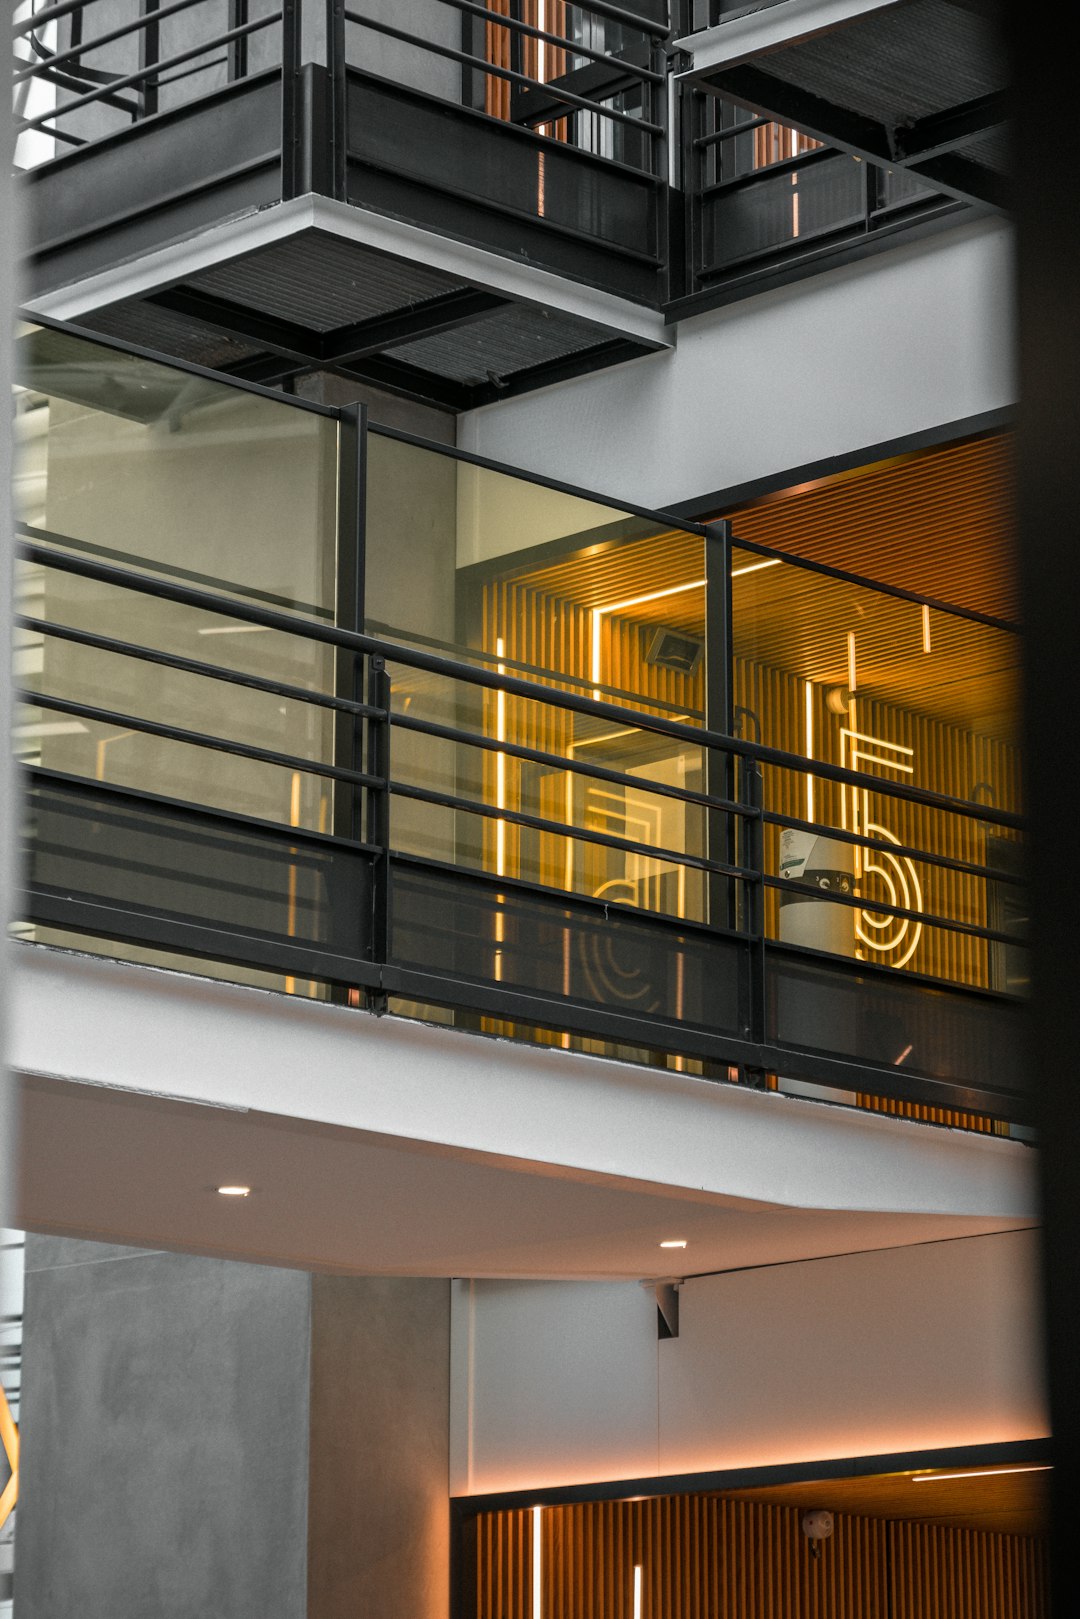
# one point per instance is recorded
(125, 1168)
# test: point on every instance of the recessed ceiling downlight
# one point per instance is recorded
(674, 1242)
(233, 1191)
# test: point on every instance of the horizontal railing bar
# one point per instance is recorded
(633, 19)
(735, 129)
(83, 49)
(556, 677)
(196, 739)
(560, 41)
(558, 898)
(783, 165)
(581, 767)
(104, 91)
(897, 977)
(508, 74)
(126, 559)
(562, 829)
(862, 841)
(592, 1020)
(484, 679)
(183, 809)
(189, 368)
(174, 934)
(241, 32)
(49, 14)
(194, 666)
(578, 156)
(861, 902)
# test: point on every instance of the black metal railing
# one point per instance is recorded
(761, 195)
(541, 130)
(403, 894)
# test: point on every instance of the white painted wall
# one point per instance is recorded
(551, 1381)
(866, 1354)
(911, 339)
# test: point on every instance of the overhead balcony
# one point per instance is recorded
(358, 718)
(919, 87)
(451, 200)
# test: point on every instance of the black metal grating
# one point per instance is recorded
(514, 339)
(899, 65)
(151, 327)
(316, 280)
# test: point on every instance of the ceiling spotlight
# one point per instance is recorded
(233, 1191)
(674, 1242)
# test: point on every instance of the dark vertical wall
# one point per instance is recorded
(165, 1436)
(380, 1413)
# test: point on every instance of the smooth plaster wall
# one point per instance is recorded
(911, 339)
(164, 1425)
(901, 1349)
(553, 1382)
(380, 1393)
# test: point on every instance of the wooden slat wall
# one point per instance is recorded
(712, 1558)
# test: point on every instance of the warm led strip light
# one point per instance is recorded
(980, 1472)
(537, 1565)
(637, 1591)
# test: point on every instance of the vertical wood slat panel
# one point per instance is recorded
(707, 1557)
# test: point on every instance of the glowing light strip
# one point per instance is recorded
(809, 695)
(852, 680)
(755, 567)
(599, 613)
(980, 1472)
(537, 1549)
(500, 769)
(926, 629)
(637, 1591)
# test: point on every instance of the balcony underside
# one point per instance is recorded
(916, 85)
(418, 1132)
(392, 275)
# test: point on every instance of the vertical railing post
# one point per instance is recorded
(752, 796)
(377, 831)
(349, 609)
(291, 98)
(719, 710)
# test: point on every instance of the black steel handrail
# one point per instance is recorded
(350, 640)
(384, 973)
(509, 75)
(151, 72)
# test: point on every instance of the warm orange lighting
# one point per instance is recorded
(9, 1441)
(980, 1472)
(599, 613)
(537, 1564)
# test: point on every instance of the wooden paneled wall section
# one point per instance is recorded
(705, 1557)
(554, 633)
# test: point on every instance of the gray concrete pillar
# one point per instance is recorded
(205, 1438)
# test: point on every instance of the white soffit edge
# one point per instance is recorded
(250, 231)
(162, 1033)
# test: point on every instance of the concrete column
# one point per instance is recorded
(202, 1437)
(378, 1524)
